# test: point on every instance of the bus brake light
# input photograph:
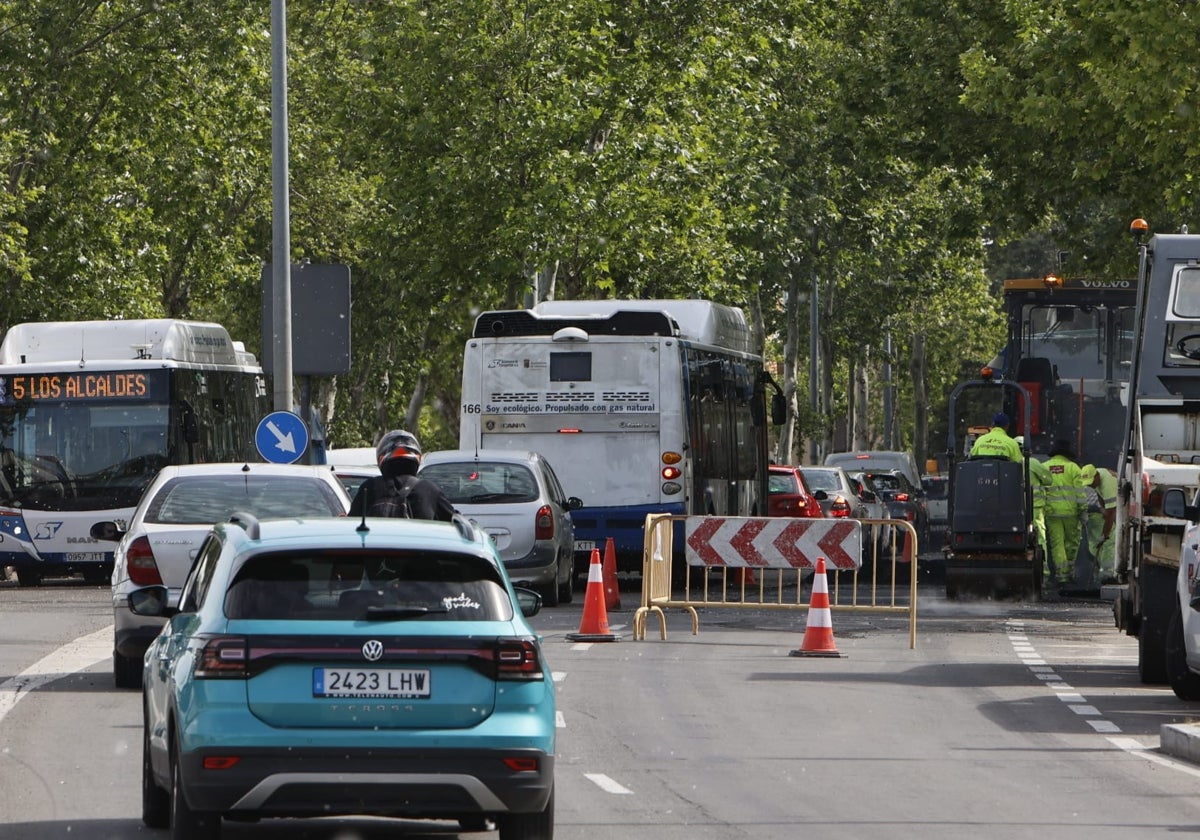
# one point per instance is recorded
(671, 473)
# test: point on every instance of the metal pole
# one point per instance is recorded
(281, 266)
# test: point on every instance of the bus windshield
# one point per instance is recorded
(80, 456)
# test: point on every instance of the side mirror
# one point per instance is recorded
(574, 503)
(1175, 504)
(778, 410)
(529, 601)
(106, 531)
(820, 495)
(191, 426)
(151, 601)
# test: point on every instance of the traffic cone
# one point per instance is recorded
(612, 590)
(818, 632)
(593, 627)
(909, 539)
(746, 576)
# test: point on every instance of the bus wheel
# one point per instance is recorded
(29, 577)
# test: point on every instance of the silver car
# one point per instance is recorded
(516, 498)
(177, 510)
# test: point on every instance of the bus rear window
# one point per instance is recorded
(571, 367)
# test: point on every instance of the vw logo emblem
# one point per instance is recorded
(373, 650)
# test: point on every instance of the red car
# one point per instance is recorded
(788, 495)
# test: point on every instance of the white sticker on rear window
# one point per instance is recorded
(461, 602)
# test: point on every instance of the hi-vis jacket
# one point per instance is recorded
(1065, 496)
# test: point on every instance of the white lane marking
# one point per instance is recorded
(1135, 747)
(1087, 711)
(581, 646)
(558, 676)
(1104, 726)
(606, 784)
(560, 722)
(73, 656)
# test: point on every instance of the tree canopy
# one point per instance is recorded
(468, 155)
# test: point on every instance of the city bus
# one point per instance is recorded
(641, 406)
(91, 410)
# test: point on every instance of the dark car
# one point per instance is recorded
(903, 499)
(788, 495)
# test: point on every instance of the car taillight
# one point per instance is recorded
(812, 508)
(517, 659)
(139, 560)
(901, 497)
(840, 507)
(222, 658)
(543, 527)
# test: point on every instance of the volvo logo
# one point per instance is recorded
(373, 650)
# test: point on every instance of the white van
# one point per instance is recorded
(873, 461)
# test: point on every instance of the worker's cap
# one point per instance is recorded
(1001, 420)
(1087, 473)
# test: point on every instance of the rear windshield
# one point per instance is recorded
(368, 586)
(822, 480)
(483, 482)
(200, 501)
(935, 488)
(782, 483)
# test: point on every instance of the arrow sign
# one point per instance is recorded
(281, 437)
(772, 542)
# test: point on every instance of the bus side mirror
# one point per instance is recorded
(191, 426)
(778, 409)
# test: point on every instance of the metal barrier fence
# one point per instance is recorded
(734, 574)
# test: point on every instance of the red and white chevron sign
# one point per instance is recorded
(772, 543)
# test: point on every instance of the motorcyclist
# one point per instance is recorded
(397, 491)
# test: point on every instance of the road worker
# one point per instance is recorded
(1066, 507)
(1039, 480)
(996, 443)
(1100, 525)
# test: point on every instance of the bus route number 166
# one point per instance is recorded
(471, 408)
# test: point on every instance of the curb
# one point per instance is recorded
(1181, 740)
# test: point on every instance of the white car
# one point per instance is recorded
(179, 507)
(517, 499)
(1181, 646)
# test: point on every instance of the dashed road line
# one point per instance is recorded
(606, 784)
(74, 656)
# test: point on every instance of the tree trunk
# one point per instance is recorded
(859, 407)
(916, 369)
(791, 353)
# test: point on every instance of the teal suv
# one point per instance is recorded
(334, 666)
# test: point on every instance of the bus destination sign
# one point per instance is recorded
(75, 386)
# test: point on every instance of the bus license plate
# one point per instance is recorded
(85, 557)
(584, 545)
(386, 683)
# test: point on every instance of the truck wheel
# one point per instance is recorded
(28, 577)
(1184, 682)
(1158, 601)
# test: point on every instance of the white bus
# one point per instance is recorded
(89, 412)
(640, 406)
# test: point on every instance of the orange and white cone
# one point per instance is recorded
(612, 590)
(818, 632)
(593, 627)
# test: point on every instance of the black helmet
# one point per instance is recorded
(397, 444)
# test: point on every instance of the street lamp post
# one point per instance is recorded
(281, 278)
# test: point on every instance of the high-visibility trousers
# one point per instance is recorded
(1104, 557)
(1063, 535)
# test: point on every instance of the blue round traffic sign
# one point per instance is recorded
(281, 437)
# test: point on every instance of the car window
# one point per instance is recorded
(483, 482)
(199, 501)
(322, 585)
(822, 480)
(934, 488)
(782, 483)
(554, 484)
(195, 588)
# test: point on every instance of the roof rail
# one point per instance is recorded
(248, 522)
